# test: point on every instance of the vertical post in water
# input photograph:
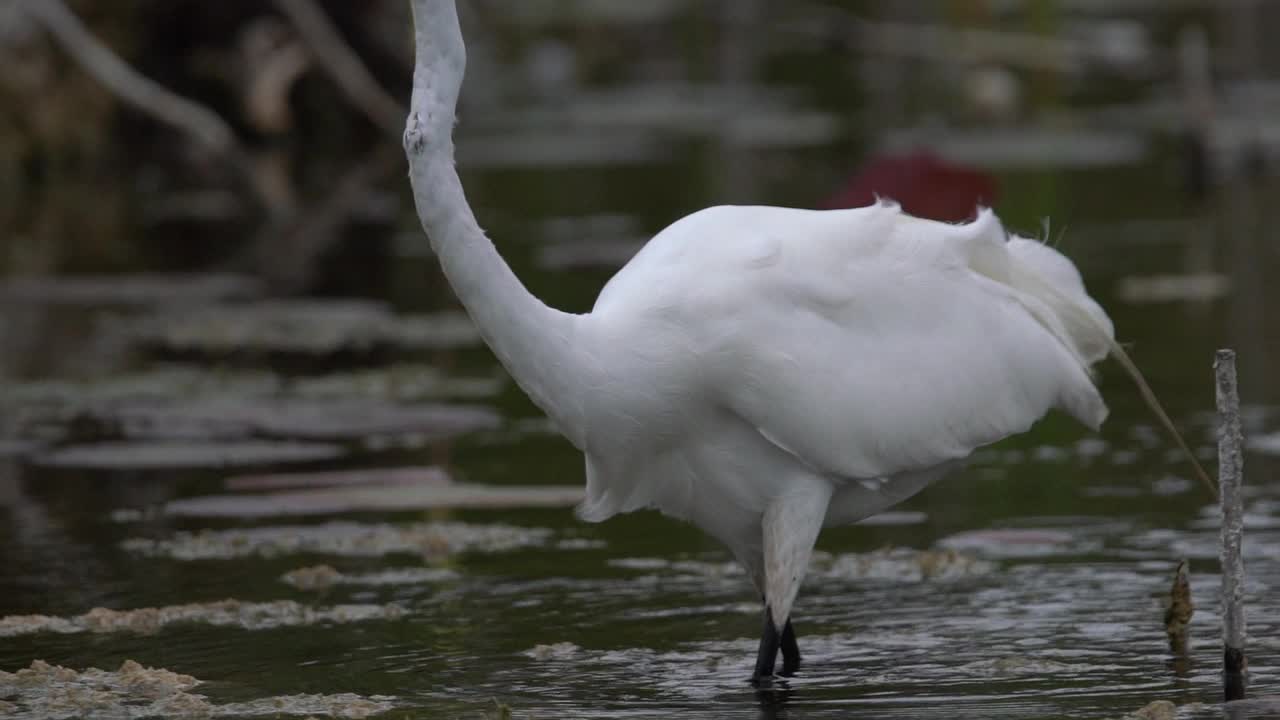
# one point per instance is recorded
(1230, 479)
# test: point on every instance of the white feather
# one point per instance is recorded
(749, 346)
(762, 371)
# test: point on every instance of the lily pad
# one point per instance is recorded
(378, 498)
(171, 455)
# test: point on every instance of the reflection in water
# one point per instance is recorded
(773, 700)
(1027, 587)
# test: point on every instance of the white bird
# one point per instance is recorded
(765, 372)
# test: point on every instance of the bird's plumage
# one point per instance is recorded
(861, 343)
(751, 349)
(762, 372)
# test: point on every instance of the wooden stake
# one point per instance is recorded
(1230, 479)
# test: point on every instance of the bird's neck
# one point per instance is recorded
(540, 347)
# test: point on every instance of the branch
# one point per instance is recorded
(199, 122)
(343, 65)
(126, 83)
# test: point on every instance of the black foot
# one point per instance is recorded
(790, 651)
(768, 651)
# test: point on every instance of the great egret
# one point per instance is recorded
(764, 372)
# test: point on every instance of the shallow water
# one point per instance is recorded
(1028, 586)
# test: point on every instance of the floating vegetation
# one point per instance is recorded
(1267, 444)
(555, 651)
(342, 705)
(1018, 665)
(1173, 288)
(223, 613)
(174, 455)
(903, 565)
(891, 564)
(50, 692)
(17, 448)
(182, 403)
(1013, 542)
(375, 498)
(396, 383)
(213, 418)
(340, 539)
(412, 475)
(323, 577)
(176, 384)
(1027, 148)
(573, 254)
(306, 328)
(129, 290)
(894, 517)
(1158, 710)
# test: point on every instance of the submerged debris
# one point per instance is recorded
(223, 613)
(50, 692)
(323, 577)
(340, 538)
(1178, 611)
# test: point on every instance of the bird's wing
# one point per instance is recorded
(909, 347)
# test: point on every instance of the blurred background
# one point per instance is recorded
(209, 261)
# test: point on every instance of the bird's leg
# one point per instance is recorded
(790, 650)
(790, 526)
(768, 652)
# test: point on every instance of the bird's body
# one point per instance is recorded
(749, 350)
(764, 372)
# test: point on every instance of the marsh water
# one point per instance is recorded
(1029, 585)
